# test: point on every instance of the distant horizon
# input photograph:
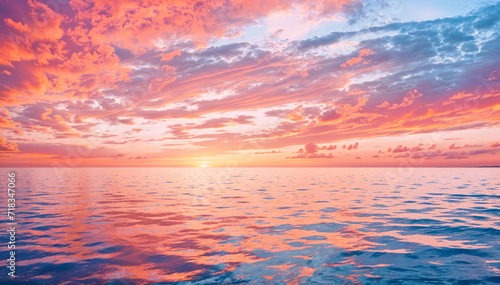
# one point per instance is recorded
(324, 83)
(45, 166)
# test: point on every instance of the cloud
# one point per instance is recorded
(114, 142)
(455, 155)
(329, 115)
(407, 101)
(426, 154)
(480, 151)
(7, 146)
(353, 146)
(7, 123)
(331, 147)
(419, 147)
(171, 55)
(361, 58)
(222, 122)
(313, 155)
(267, 152)
(5, 114)
(159, 22)
(400, 148)
(496, 144)
(75, 152)
(406, 155)
(118, 155)
(277, 113)
(311, 148)
(47, 120)
(450, 154)
(454, 146)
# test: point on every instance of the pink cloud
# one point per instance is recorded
(400, 148)
(406, 155)
(330, 115)
(311, 148)
(267, 152)
(313, 155)
(426, 154)
(222, 122)
(417, 148)
(353, 146)
(454, 146)
(118, 156)
(407, 101)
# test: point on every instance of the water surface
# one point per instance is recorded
(257, 226)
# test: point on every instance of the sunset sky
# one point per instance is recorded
(249, 83)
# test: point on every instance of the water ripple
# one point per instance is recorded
(262, 226)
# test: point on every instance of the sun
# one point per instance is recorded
(203, 165)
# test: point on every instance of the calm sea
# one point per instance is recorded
(255, 226)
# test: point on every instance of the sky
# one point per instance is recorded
(339, 83)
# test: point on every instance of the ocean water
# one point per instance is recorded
(255, 226)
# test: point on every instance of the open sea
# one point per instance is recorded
(254, 226)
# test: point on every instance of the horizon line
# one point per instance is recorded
(483, 166)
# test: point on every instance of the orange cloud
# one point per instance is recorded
(32, 41)
(7, 146)
(6, 122)
(145, 24)
(170, 55)
(407, 101)
(360, 58)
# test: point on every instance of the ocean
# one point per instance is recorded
(254, 226)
